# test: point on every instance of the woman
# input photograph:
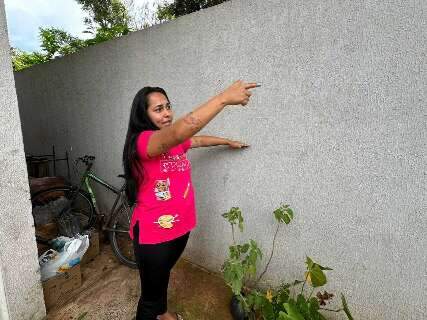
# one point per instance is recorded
(158, 176)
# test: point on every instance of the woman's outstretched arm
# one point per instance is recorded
(209, 141)
(186, 127)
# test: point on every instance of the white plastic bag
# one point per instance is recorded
(51, 262)
(59, 242)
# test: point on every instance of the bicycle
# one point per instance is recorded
(82, 203)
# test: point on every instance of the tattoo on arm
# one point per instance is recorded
(163, 147)
(193, 121)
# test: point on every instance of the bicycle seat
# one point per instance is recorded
(121, 176)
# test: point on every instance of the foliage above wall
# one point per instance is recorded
(182, 7)
(106, 20)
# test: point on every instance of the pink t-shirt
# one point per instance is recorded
(165, 205)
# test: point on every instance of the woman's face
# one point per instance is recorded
(159, 110)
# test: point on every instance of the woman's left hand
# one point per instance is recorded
(237, 144)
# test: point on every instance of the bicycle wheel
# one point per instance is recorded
(48, 204)
(120, 240)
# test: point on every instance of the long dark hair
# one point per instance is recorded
(139, 121)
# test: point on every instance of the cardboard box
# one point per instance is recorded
(93, 249)
(44, 233)
(59, 288)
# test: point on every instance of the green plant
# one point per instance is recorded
(106, 20)
(282, 303)
(171, 10)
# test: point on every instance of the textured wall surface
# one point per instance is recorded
(21, 295)
(337, 131)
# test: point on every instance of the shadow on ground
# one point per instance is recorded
(111, 291)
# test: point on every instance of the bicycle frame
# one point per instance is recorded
(90, 175)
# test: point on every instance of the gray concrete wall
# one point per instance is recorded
(21, 295)
(337, 131)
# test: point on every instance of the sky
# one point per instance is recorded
(24, 17)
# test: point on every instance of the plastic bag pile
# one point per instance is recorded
(66, 254)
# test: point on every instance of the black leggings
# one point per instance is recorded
(155, 262)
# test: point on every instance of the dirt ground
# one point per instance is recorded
(111, 290)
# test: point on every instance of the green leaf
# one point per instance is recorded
(259, 301)
(174, 9)
(283, 214)
(282, 297)
(292, 311)
(252, 270)
(314, 304)
(301, 299)
(324, 268)
(284, 316)
(22, 60)
(302, 306)
(236, 286)
(309, 263)
(250, 299)
(268, 311)
(240, 218)
(234, 252)
(345, 307)
(245, 248)
(290, 213)
(254, 248)
(233, 275)
(234, 216)
(253, 243)
(317, 276)
(278, 215)
(315, 273)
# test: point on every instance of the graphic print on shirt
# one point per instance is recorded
(166, 221)
(161, 190)
(174, 163)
